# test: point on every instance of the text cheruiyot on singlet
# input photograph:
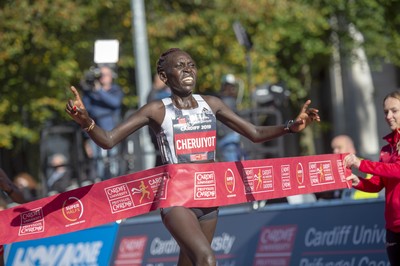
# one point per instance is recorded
(188, 135)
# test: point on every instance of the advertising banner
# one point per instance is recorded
(350, 234)
(87, 247)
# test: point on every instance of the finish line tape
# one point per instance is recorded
(190, 185)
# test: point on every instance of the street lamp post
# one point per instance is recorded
(244, 40)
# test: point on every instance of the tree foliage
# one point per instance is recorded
(45, 46)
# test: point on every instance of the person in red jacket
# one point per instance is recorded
(386, 174)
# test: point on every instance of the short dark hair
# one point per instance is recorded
(163, 57)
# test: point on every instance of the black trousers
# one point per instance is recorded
(393, 247)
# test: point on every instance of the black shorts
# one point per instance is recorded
(201, 213)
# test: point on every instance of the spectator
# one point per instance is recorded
(11, 192)
(90, 173)
(228, 141)
(3, 204)
(344, 144)
(60, 178)
(27, 185)
(103, 101)
(158, 91)
(10, 189)
(385, 174)
(339, 144)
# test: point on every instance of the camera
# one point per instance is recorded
(90, 77)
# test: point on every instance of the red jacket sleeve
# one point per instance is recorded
(388, 170)
(373, 184)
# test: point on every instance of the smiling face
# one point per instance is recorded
(180, 73)
(391, 108)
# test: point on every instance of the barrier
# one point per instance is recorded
(318, 234)
(339, 233)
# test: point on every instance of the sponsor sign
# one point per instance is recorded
(87, 247)
(324, 233)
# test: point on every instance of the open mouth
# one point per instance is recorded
(187, 80)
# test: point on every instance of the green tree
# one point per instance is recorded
(45, 46)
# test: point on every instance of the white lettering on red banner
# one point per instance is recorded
(31, 222)
(189, 185)
(259, 179)
(285, 175)
(205, 186)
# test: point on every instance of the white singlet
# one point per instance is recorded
(187, 135)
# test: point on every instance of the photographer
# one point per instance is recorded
(103, 101)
